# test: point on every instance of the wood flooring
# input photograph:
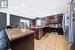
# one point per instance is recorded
(51, 41)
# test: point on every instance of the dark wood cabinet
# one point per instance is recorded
(47, 20)
(60, 31)
(53, 19)
(25, 43)
(54, 23)
(46, 29)
(38, 32)
(20, 39)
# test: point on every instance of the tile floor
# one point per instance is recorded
(51, 41)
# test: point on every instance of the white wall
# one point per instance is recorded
(35, 8)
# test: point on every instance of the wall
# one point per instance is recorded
(15, 20)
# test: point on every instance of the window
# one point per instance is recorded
(24, 23)
(38, 22)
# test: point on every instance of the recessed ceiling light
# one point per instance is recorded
(22, 4)
(53, 6)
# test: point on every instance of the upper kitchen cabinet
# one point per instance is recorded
(3, 20)
(57, 18)
(47, 20)
(60, 17)
(54, 19)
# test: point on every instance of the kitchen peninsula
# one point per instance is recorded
(41, 31)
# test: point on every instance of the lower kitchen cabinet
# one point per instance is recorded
(38, 32)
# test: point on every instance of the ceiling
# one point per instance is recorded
(35, 8)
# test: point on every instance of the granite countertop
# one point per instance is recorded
(16, 33)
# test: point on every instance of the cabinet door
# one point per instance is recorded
(47, 21)
(40, 33)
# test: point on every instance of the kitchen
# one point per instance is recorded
(27, 25)
(22, 31)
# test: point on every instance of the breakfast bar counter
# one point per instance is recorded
(14, 34)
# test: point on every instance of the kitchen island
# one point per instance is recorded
(21, 39)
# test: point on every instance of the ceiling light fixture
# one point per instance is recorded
(22, 4)
(53, 6)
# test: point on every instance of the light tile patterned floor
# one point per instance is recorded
(51, 42)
